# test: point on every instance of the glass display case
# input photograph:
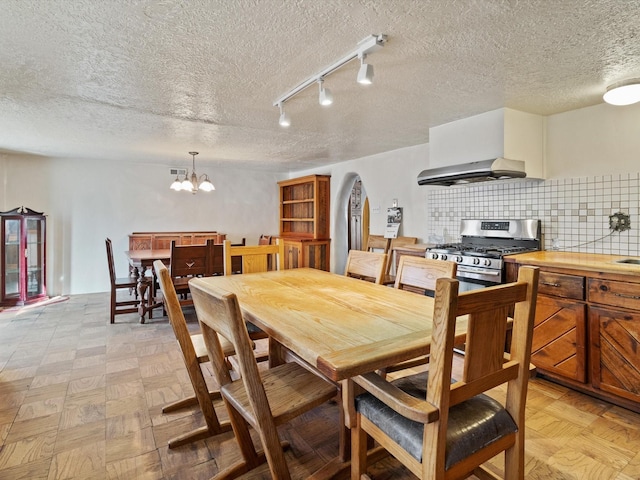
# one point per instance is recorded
(22, 257)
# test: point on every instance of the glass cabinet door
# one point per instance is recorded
(22, 257)
(11, 260)
(34, 256)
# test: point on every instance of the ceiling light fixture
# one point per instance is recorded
(284, 121)
(190, 183)
(623, 93)
(365, 47)
(365, 74)
(325, 97)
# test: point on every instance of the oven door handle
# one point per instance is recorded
(494, 273)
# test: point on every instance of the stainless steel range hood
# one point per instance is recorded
(473, 172)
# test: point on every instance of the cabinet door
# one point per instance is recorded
(559, 338)
(11, 259)
(615, 343)
(34, 251)
(292, 254)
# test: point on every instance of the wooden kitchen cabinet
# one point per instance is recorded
(560, 337)
(304, 221)
(587, 328)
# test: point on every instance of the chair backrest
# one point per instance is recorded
(265, 240)
(216, 259)
(181, 331)
(189, 260)
(112, 268)
(421, 273)
(485, 363)
(255, 258)
(378, 242)
(398, 242)
(366, 265)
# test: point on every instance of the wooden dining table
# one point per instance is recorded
(140, 261)
(340, 326)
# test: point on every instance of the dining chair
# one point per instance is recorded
(118, 307)
(419, 275)
(390, 278)
(194, 353)
(366, 265)
(262, 399)
(445, 428)
(187, 262)
(253, 258)
(265, 240)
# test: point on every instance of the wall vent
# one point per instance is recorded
(178, 171)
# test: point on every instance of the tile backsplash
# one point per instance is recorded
(574, 212)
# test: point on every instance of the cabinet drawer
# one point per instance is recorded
(561, 285)
(617, 294)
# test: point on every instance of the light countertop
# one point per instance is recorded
(582, 261)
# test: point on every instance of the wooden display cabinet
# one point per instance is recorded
(304, 221)
(22, 266)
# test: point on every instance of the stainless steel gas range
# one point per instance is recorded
(483, 245)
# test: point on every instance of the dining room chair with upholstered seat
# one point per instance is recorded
(119, 307)
(262, 399)
(445, 428)
(366, 265)
(194, 353)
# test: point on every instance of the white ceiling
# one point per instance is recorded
(148, 81)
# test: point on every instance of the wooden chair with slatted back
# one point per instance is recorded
(261, 399)
(254, 258)
(187, 262)
(118, 307)
(366, 265)
(419, 275)
(389, 278)
(194, 353)
(447, 429)
(376, 243)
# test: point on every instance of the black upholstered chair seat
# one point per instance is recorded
(472, 425)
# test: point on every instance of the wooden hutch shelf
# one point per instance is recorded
(304, 221)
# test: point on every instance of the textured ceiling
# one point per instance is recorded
(148, 81)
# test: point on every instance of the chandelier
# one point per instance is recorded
(190, 183)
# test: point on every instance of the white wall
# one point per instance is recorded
(384, 176)
(87, 201)
(599, 140)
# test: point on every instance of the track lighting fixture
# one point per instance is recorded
(284, 121)
(326, 97)
(365, 74)
(365, 47)
(623, 93)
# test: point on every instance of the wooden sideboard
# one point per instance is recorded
(162, 240)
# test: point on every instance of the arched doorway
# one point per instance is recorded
(351, 221)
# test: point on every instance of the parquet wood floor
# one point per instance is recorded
(82, 399)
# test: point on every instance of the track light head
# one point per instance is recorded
(285, 120)
(326, 97)
(365, 74)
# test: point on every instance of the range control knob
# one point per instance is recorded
(433, 256)
(487, 262)
(476, 261)
(443, 257)
(458, 259)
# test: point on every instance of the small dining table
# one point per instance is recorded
(140, 261)
(340, 326)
